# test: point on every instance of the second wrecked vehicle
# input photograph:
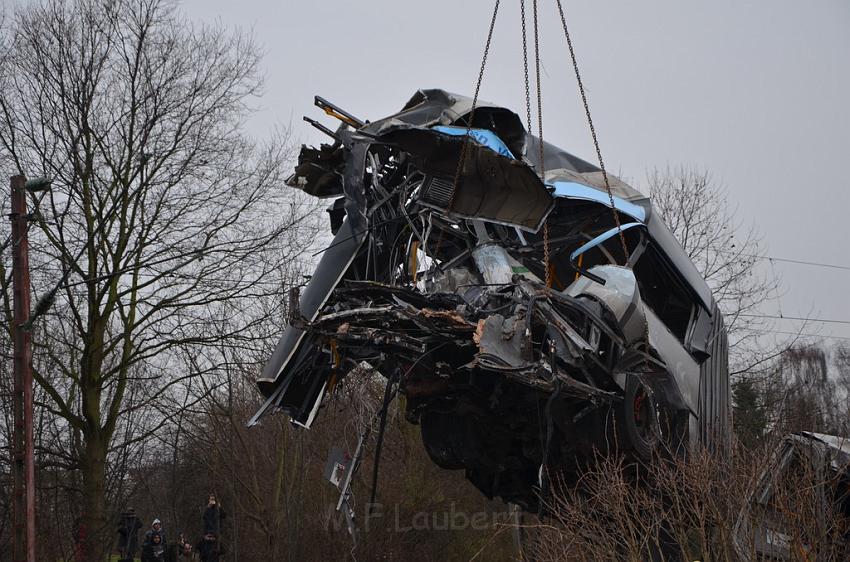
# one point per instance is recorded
(799, 507)
(529, 318)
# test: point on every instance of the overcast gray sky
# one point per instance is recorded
(755, 92)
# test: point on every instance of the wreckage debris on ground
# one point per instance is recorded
(436, 278)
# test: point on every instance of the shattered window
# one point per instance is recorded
(665, 294)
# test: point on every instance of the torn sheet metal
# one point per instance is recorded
(575, 190)
(437, 275)
(488, 185)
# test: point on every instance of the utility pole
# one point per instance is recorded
(23, 464)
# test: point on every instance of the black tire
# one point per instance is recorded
(640, 419)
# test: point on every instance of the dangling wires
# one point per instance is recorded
(592, 132)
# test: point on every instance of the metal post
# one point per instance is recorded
(22, 447)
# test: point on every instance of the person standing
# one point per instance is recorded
(210, 548)
(184, 549)
(128, 535)
(156, 529)
(213, 515)
(154, 551)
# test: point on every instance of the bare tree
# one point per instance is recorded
(841, 359)
(808, 390)
(163, 216)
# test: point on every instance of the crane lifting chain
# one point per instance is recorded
(582, 92)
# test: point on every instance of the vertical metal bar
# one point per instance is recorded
(23, 461)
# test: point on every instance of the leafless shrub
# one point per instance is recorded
(689, 509)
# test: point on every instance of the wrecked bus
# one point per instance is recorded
(530, 315)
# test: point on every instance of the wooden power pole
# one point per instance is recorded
(23, 464)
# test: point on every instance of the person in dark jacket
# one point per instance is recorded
(213, 514)
(156, 529)
(128, 535)
(154, 551)
(210, 548)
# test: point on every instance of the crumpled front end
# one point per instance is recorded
(520, 354)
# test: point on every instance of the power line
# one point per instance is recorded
(777, 317)
(803, 335)
(802, 262)
(786, 260)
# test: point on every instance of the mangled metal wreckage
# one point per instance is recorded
(808, 474)
(436, 278)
